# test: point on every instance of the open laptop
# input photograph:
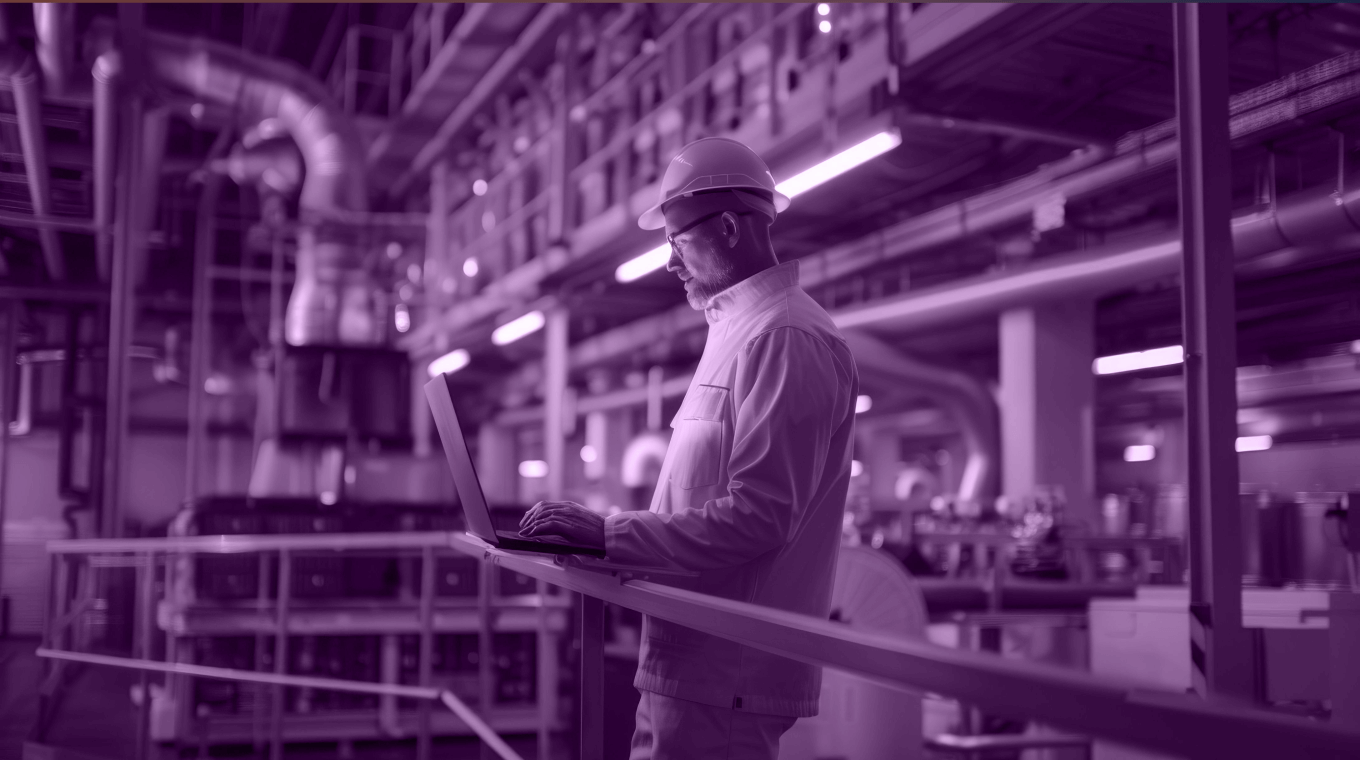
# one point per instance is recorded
(475, 509)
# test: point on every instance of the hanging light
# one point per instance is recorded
(1157, 357)
(533, 468)
(449, 363)
(1254, 443)
(643, 265)
(518, 328)
(863, 404)
(1140, 453)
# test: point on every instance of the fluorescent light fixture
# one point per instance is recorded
(863, 404)
(588, 454)
(470, 267)
(643, 265)
(479, 187)
(533, 468)
(856, 468)
(1157, 357)
(824, 27)
(1141, 453)
(517, 328)
(841, 162)
(823, 9)
(449, 363)
(1254, 443)
(832, 167)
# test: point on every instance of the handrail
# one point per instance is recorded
(447, 698)
(1121, 710)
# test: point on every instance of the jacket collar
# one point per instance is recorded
(751, 291)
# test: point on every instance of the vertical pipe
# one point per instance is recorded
(486, 652)
(6, 394)
(106, 73)
(426, 646)
(28, 108)
(121, 316)
(554, 399)
(1220, 648)
(201, 329)
(55, 25)
(285, 588)
(144, 622)
(592, 677)
(155, 127)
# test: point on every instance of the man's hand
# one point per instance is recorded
(566, 519)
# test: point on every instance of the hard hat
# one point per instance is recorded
(713, 163)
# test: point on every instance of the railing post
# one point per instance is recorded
(426, 646)
(282, 600)
(144, 622)
(592, 677)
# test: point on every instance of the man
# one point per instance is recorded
(752, 490)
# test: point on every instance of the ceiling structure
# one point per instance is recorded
(988, 98)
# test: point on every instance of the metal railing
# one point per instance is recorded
(1125, 712)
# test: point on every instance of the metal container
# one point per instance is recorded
(1313, 552)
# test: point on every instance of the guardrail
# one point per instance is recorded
(1125, 712)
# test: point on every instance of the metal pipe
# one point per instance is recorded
(107, 72)
(335, 184)
(55, 24)
(200, 331)
(6, 393)
(18, 66)
(155, 126)
(965, 399)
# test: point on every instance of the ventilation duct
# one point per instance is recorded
(1314, 218)
(331, 299)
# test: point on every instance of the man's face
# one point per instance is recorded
(700, 257)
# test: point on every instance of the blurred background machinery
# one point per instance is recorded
(281, 219)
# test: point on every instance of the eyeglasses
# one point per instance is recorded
(670, 237)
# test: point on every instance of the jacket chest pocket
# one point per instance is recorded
(698, 437)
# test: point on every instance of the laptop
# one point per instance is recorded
(475, 509)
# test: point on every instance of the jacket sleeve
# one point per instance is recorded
(788, 401)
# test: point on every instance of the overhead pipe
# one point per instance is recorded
(18, 67)
(107, 71)
(330, 299)
(1313, 217)
(962, 397)
(55, 24)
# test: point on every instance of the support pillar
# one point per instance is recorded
(1220, 649)
(1047, 403)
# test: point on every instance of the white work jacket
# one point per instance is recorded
(751, 493)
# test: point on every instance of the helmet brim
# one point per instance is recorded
(654, 219)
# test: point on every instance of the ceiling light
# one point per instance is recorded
(394, 251)
(643, 265)
(402, 318)
(588, 454)
(1141, 453)
(841, 162)
(217, 385)
(1157, 357)
(518, 328)
(1355, 346)
(533, 468)
(450, 363)
(479, 187)
(413, 272)
(470, 267)
(1254, 443)
(823, 9)
(856, 468)
(863, 404)
(328, 498)
(824, 27)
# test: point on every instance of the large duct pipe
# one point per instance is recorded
(108, 69)
(56, 27)
(331, 295)
(18, 67)
(960, 396)
(1314, 217)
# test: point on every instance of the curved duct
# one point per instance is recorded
(17, 66)
(331, 298)
(1314, 217)
(959, 395)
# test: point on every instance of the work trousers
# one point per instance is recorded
(677, 729)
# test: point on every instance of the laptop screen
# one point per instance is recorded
(475, 509)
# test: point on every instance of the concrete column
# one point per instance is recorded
(1047, 403)
(496, 463)
(554, 399)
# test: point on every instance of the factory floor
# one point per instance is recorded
(97, 721)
